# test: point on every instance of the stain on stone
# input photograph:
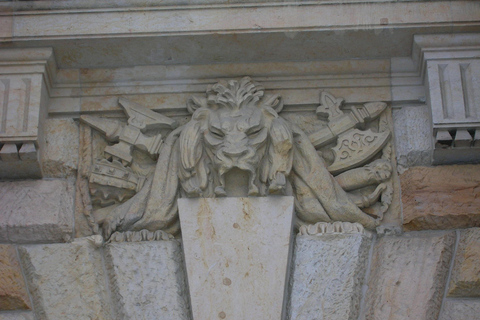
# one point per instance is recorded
(227, 281)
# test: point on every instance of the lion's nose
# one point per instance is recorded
(234, 151)
(235, 145)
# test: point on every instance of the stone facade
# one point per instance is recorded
(365, 113)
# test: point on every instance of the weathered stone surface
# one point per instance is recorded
(36, 210)
(16, 315)
(61, 142)
(237, 252)
(67, 281)
(443, 197)
(13, 293)
(459, 309)
(327, 278)
(148, 280)
(465, 276)
(413, 138)
(408, 275)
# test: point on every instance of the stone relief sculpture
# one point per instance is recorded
(339, 172)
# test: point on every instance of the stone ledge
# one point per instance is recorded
(444, 197)
(36, 211)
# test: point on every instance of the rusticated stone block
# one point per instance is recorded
(148, 280)
(13, 293)
(444, 197)
(67, 281)
(16, 315)
(408, 275)
(459, 309)
(327, 278)
(465, 278)
(36, 211)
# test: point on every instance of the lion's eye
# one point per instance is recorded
(254, 132)
(217, 133)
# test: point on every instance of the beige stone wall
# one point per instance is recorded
(60, 60)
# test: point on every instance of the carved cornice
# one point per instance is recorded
(191, 34)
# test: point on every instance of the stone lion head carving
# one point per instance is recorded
(235, 126)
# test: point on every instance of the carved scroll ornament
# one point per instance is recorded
(235, 126)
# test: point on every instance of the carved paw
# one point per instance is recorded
(275, 188)
(220, 191)
(278, 184)
(110, 226)
(253, 191)
(382, 175)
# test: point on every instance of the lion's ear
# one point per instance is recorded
(275, 102)
(194, 103)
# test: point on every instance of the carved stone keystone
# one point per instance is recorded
(237, 252)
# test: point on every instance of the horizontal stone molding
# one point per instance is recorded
(166, 88)
(191, 34)
(259, 17)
